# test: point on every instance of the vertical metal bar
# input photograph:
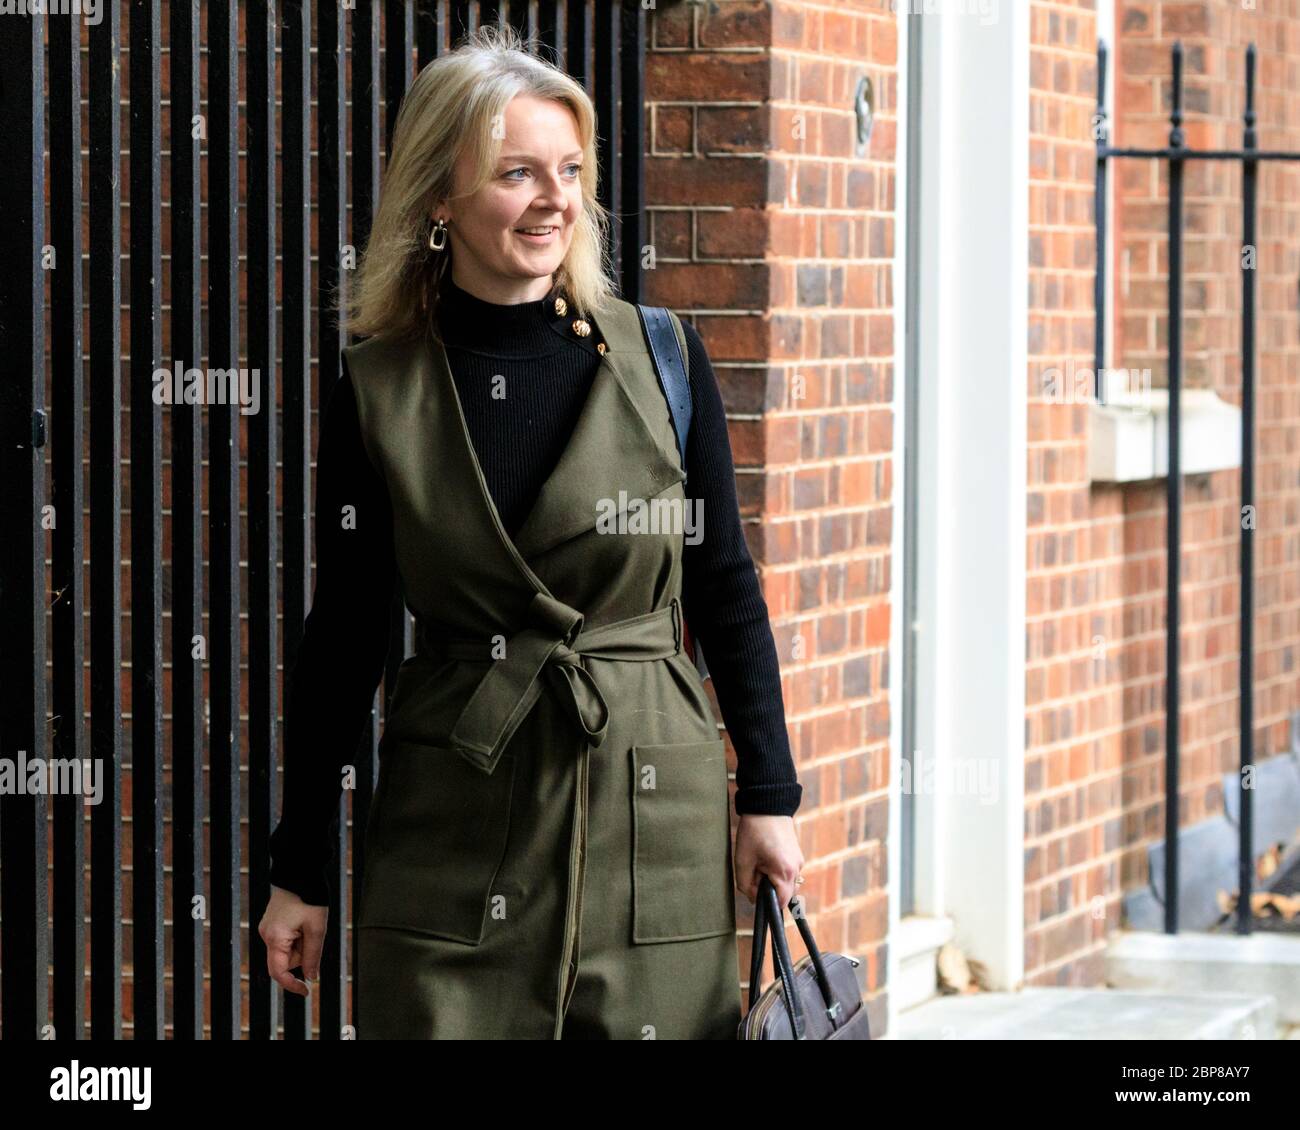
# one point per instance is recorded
(223, 494)
(295, 124)
(67, 495)
(430, 28)
(605, 96)
(365, 121)
(1174, 494)
(263, 685)
(460, 21)
(146, 525)
(399, 42)
(105, 526)
(1101, 135)
(519, 15)
(577, 43)
(186, 532)
(631, 122)
(365, 192)
(24, 984)
(332, 216)
(397, 47)
(1249, 187)
(548, 30)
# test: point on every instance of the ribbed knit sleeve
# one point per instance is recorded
(726, 611)
(331, 687)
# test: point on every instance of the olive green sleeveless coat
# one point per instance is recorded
(548, 852)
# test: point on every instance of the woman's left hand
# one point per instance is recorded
(767, 845)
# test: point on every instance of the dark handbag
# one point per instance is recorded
(816, 998)
(674, 378)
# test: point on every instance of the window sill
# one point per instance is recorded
(1130, 436)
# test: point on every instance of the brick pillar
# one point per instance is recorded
(1073, 703)
(776, 239)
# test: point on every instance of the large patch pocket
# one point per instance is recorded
(435, 841)
(681, 863)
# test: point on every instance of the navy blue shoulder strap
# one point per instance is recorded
(674, 379)
(670, 365)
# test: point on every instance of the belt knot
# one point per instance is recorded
(554, 639)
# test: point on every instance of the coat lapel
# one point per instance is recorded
(613, 448)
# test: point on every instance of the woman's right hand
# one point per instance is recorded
(293, 932)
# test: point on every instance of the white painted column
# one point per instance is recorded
(972, 321)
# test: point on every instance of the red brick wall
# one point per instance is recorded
(777, 242)
(1095, 677)
(1072, 716)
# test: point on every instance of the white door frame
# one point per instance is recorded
(973, 380)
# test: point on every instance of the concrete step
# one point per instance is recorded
(1091, 1014)
(1263, 964)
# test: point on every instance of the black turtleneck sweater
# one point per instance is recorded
(518, 440)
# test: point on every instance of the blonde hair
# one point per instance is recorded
(450, 108)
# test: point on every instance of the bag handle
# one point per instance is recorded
(832, 1003)
(768, 908)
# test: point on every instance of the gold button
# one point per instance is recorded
(581, 328)
(600, 345)
(561, 307)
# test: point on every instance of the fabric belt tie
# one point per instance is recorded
(554, 642)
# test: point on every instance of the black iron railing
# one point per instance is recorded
(236, 581)
(1177, 155)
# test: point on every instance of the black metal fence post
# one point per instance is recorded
(263, 502)
(1101, 135)
(1249, 188)
(225, 603)
(365, 195)
(105, 525)
(67, 577)
(22, 545)
(296, 336)
(186, 529)
(331, 212)
(146, 524)
(1174, 495)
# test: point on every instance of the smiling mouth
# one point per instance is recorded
(539, 231)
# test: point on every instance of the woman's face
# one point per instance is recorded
(535, 185)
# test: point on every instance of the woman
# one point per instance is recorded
(547, 852)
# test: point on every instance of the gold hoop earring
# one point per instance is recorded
(438, 230)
